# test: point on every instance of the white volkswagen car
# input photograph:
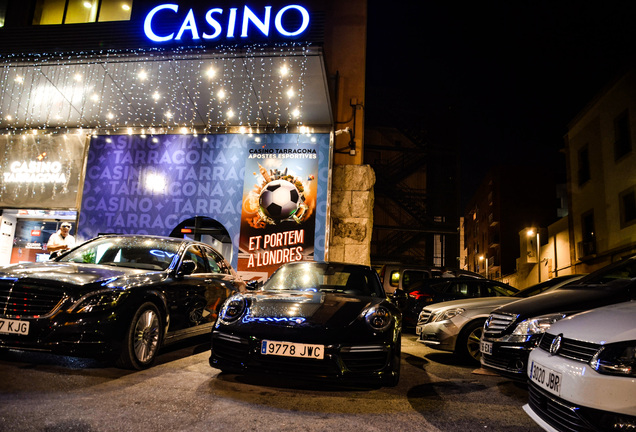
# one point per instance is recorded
(582, 377)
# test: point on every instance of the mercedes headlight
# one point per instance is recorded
(233, 308)
(616, 359)
(537, 325)
(378, 318)
(447, 314)
(532, 327)
(98, 301)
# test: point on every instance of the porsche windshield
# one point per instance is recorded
(339, 278)
(141, 253)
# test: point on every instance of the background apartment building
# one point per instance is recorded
(531, 230)
(602, 177)
(509, 199)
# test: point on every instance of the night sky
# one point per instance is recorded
(512, 74)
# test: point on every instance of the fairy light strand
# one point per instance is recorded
(118, 90)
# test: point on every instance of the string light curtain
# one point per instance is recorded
(253, 89)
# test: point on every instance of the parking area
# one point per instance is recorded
(182, 392)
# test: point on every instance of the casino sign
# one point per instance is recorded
(225, 23)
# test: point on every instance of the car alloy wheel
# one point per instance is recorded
(146, 336)
(143, 338)
(468, 341)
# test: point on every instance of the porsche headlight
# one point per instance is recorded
(378, 318)
(233, 308)
(534, 326)
(447, 314)
(616, 359)
(97, 301)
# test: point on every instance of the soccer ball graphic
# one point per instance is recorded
(279, 199)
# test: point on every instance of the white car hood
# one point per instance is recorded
(607, 324)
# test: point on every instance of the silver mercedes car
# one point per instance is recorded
(457, 325)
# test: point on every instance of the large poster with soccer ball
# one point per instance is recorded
(268, 191)
(280, 193)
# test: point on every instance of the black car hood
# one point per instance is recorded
(67, 275)
(571, 299)
(314, 309)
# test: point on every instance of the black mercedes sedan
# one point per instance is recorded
(312, 320)
(513, 330)
(115, 297)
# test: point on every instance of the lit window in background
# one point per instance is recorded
(3, 11)
(115, 10)
(80, 11)
(49, 12)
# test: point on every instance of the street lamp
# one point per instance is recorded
(481, 258)
(530, 233)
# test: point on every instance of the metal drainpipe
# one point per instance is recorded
(556, 261)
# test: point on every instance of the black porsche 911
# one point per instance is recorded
(115, 298)
(312, 320)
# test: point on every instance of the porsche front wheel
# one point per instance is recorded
(393, 377)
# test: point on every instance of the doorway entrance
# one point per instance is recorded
(208, 231)
(25, 233)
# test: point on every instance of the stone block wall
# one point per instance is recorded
(352, 202)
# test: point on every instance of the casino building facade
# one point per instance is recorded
(220, 120)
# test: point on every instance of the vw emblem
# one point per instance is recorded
(555, 346)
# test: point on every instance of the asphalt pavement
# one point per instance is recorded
(42, 392)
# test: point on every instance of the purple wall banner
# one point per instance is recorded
(150, 184)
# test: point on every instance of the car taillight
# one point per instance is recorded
(420, 296)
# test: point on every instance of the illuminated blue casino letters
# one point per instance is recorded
(216, 17)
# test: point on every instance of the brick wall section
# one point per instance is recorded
(352, 201)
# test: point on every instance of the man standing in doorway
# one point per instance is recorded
(61, 240)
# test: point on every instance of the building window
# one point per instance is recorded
(584, 165)
(623, 141)
(587, 246)
(3, 11)
(439, 244)
(627, 204)
(81, 11)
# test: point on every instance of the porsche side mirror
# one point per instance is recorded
(399, 298)
(252, 285)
